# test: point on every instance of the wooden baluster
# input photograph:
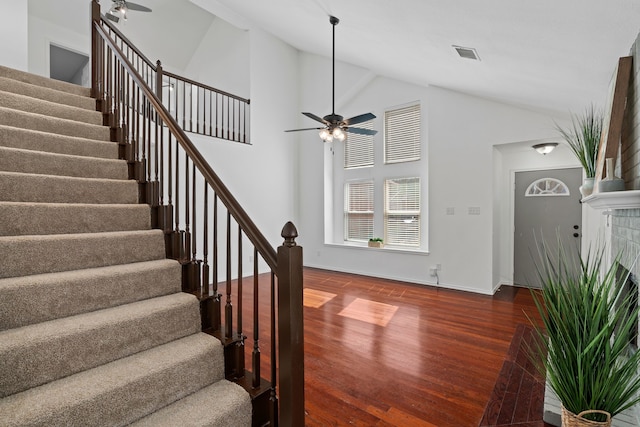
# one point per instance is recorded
(217, 127)
(205, 242)
(217, 306)
(273, 397)
(190, 107)
(255, 355)
(228, 309)
(194, 242)
(290, 329)
(210, 113)
(240, 344)
(228, 117)
(187, 212)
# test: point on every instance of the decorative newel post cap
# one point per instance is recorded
(158, 63)
(289, 234)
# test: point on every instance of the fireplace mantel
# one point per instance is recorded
(614, 200)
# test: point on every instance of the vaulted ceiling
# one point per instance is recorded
(557, 55)
(550, 54)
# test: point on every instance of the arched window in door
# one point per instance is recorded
(547, 187)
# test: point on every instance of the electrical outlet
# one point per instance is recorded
(433, 271)
(250, 258)
(438, 267)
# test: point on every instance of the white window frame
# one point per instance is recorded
(408, 211)
(402, 134)
(350, 212)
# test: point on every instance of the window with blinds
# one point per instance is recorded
(358, 149)
(358, 215)
(402, 134)
(402, 211)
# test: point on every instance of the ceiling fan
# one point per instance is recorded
(121, 7)
(335, 125)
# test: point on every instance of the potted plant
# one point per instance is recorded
(375, 242)
(583, 347)
(584, 140)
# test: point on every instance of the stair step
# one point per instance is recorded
(23, 187)
(51, 109)
(122, 391)
(35, 79)
(47, 94)
(44, 123)
(37, 162)
(43, 297)
(27, 139)
(26, 255)
(21, 219)
(88, 340)
(221, 404)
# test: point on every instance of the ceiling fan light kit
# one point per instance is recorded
(335, 126)
(121, 7)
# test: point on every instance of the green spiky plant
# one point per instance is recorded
(584, 138)
(587, 365)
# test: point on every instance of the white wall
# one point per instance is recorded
(222, 59)
(459, 132)
(14, 35)
(42, 33)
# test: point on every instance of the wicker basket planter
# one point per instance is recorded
(569, 419)
(375, 244)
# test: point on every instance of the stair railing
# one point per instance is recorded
(197, 107)
(188, 201)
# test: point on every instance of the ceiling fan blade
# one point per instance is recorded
(298, 130)
(361, 131)
(137, 7)
(359, 119)
(316, 118)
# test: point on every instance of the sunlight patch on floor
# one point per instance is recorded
(369, 311)
(316, 299)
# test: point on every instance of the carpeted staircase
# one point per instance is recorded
(94, 328)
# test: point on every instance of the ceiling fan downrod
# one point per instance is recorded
(334, 21)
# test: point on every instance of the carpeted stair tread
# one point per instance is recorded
(26, 255)
(28, 161)
(35, 79)
(44, 123)
(42, 297)
(221, 404)
(27, 139)
(122, 391)
(88, 340)
(20, 187)
(21, 102)
(27, 218)
(47, 94)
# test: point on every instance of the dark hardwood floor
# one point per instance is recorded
(387, 353)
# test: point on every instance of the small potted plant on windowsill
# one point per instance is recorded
(376, 242)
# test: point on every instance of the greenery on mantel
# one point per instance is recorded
(583, 347)
(584, 138)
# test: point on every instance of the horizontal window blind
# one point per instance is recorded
(358, 149)
(402, 211)
(402, 134)
(358, 213)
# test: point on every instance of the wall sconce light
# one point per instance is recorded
(545, 148)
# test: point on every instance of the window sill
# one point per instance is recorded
(390, 249)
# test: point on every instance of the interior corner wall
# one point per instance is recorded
(261, 174)
(42, 33)
(14, 33)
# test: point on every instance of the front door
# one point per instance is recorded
(547, 205)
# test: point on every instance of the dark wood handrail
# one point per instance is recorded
(131, 45)
(248, 226)
(204, 86)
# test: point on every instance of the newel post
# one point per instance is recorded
(159, 79)
(95, 50)
(290, 329)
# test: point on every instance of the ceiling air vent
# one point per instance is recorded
(467, 52)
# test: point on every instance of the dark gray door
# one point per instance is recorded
(547, 205)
